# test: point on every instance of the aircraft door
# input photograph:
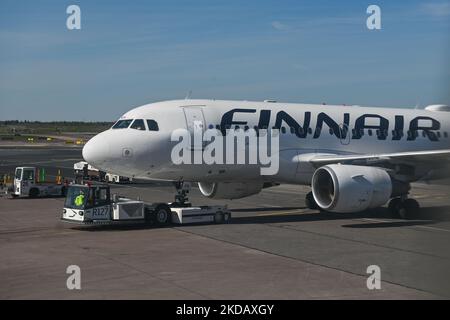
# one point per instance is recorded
(195, 122)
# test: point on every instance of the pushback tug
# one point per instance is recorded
(93, 204)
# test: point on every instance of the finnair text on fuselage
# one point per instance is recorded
(339, 127)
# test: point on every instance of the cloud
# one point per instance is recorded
(279, 26)
(437, 9)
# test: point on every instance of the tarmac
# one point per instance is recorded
(274, 248)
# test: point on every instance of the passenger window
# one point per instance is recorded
(138, 124)
(152, 125)
(122, 124)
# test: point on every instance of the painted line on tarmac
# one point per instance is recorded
(282, 192)
(269, 205)
(282, 213)
(46, 161)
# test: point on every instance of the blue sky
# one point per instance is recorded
(129, 53)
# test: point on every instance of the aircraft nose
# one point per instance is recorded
(96, 151)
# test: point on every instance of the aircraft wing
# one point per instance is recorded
(411, 157)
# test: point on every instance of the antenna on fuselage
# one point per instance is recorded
(188, 96)
(417, 105)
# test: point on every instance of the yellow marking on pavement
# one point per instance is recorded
(282, 213)
(421, 197)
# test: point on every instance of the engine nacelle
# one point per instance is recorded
(229, 190)
(348, 188)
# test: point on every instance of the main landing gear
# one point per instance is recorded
(400, 207)
(404, 208)
(310, 202)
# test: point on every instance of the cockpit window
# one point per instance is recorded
(138, 124)
(122, 124)
(152, 125)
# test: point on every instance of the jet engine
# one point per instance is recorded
(349, 188)
(229, 190)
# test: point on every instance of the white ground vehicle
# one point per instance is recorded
(115, 178)
(93, 204)
(86, 171)
(27, 183)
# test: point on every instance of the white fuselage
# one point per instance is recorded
(306, 130)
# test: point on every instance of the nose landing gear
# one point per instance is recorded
(181, 198)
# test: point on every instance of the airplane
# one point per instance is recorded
(354, 158)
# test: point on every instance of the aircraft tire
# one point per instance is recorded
(407, 209)
(310, 202)
(34, 192)
(219, 217)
